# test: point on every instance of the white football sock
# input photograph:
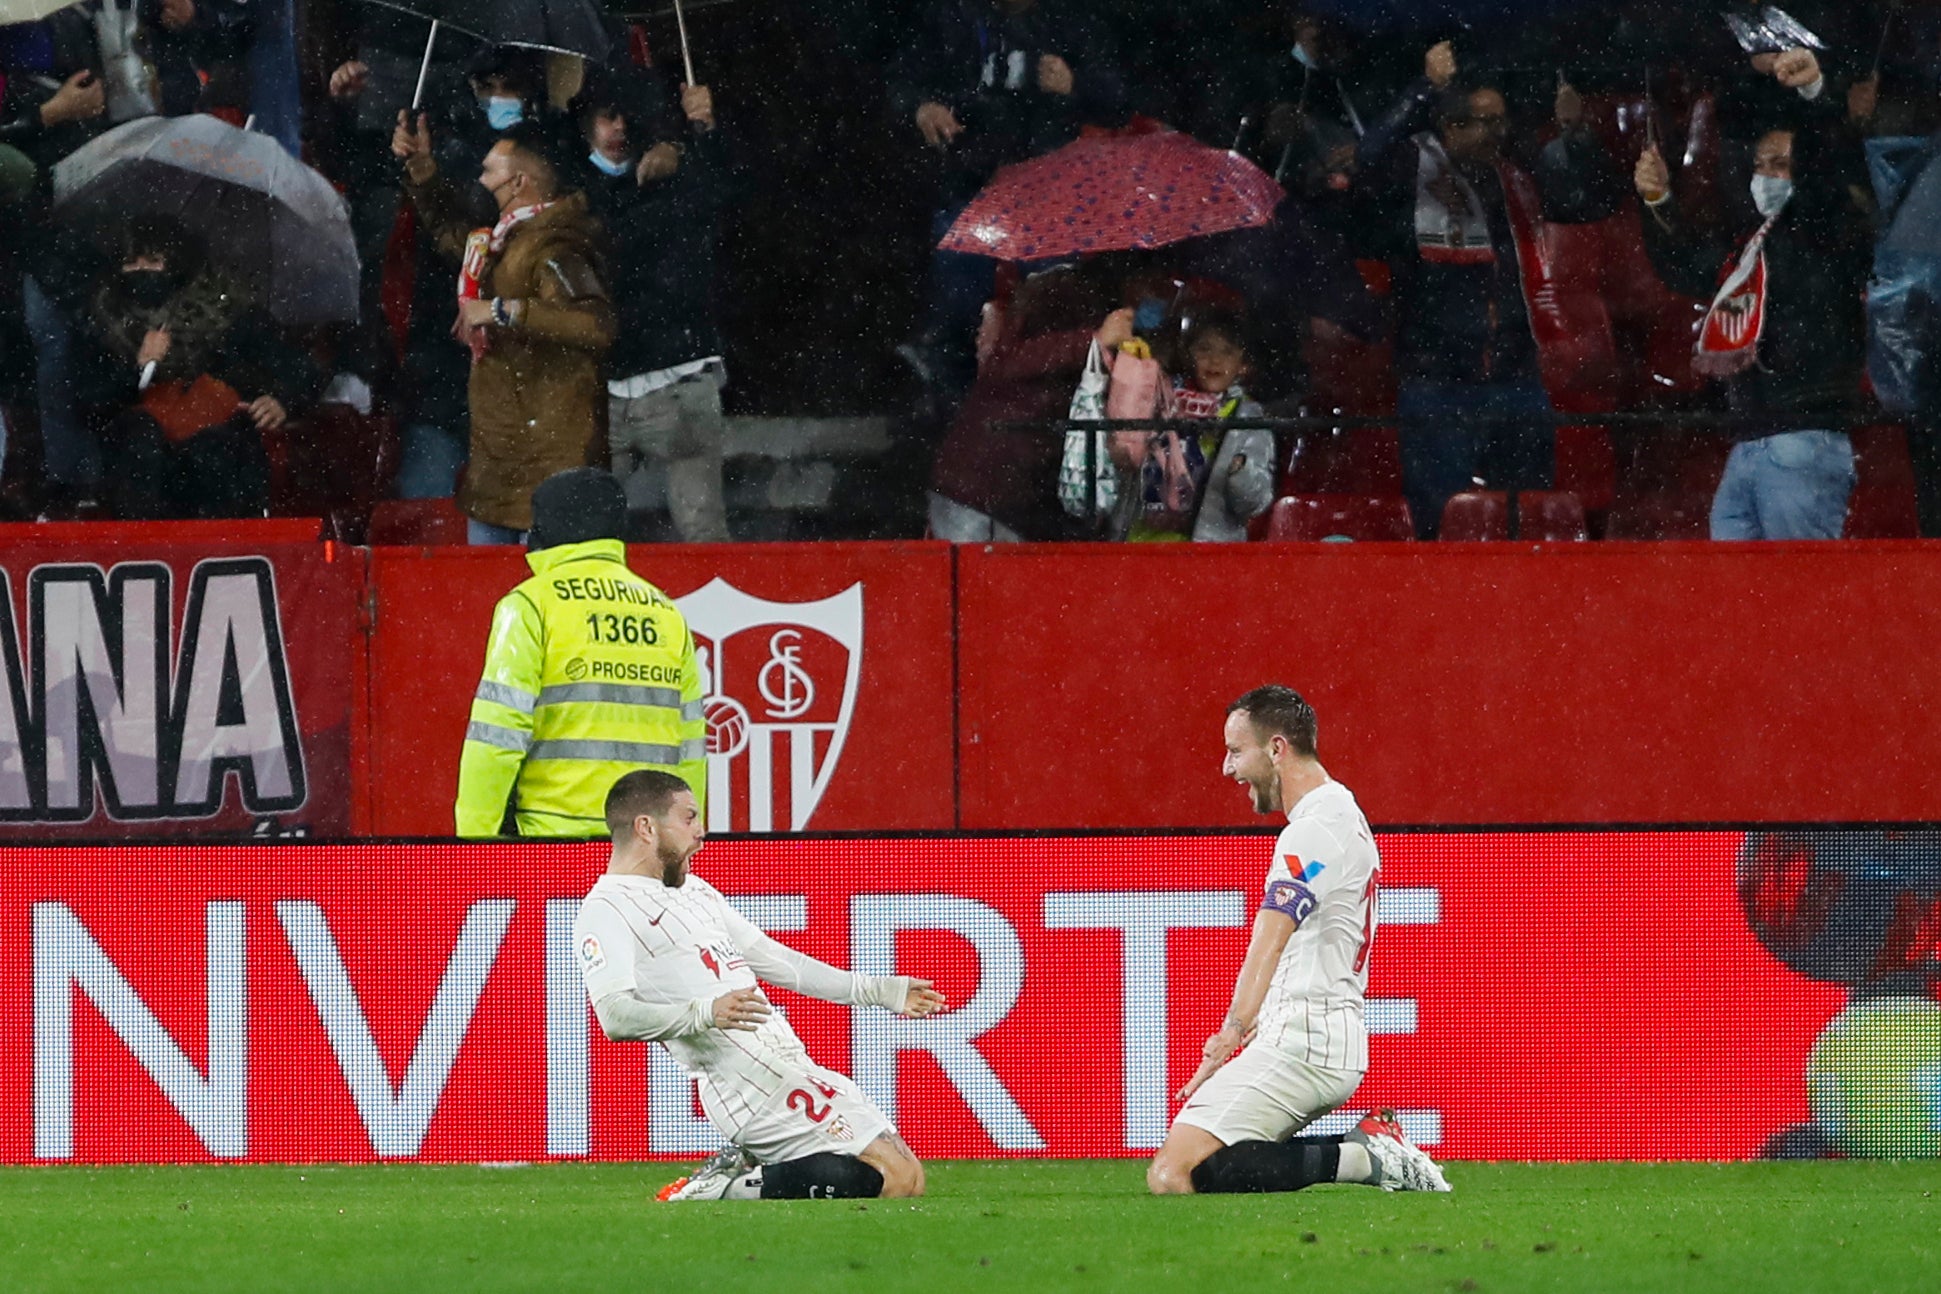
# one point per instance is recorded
(1357, 1165)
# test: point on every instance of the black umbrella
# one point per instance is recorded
(557, 26)
(269, 219)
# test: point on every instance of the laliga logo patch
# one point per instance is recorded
(590, 953)
(779, 682)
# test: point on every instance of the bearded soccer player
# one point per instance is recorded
(666, 959)
(1294, 1044)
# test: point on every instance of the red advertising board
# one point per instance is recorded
(1533, 995)
(183, 680)
(830, 671)
(1477, 684)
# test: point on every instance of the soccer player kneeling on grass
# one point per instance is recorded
(667, 959)
(1297, 1008)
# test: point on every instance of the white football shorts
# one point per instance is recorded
(1266, 1095)
(813, 1111)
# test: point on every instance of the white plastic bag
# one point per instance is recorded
(1086, 462)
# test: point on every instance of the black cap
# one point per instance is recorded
(576, 505)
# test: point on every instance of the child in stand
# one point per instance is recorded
(1205, 486)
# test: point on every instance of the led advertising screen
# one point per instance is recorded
(1533, 994)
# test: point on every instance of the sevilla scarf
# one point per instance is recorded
(1188, 403)
(1443, 234)
(1728, 340)
(1571, 328)
(511, 220)
(480, 246)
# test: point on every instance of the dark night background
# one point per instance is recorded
(824, 258)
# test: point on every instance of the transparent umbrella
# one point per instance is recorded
(275, 223)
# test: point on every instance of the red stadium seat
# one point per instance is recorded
(1702, 462)
(1475, 515)
(1882, 512)
(1681, 514)
(1670, 460)
(1347, 460)
(1345, 373)
(1882, 506)
(333, 462)
(417, 523)
(1587, 466)
(1880, 456)
(1306, 518)
(1552, 517)
(1546, 516)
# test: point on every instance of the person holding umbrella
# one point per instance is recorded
(985, 83)
(187, 373)
(364, 93)
(992, 479)
(501, 83)
(661, 183)
(534, 311)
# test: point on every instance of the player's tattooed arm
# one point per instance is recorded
(1272, 929)
(1217, 1051)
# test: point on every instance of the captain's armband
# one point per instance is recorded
(1291, 898)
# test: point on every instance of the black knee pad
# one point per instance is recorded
(821, 1177)
(1255, 1166)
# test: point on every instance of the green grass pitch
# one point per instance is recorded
(1741, 1228)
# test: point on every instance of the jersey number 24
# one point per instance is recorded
(799, 1099)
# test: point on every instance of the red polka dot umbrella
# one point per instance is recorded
(1104, 193)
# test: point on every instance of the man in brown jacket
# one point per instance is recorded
(532, 305)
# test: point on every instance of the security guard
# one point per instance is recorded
(590, 673)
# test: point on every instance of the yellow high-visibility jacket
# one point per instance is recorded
(590, 673)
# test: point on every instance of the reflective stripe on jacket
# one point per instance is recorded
(589, 673)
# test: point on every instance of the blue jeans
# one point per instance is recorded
(71, 452)
(1792, 485)
(1447, 444)
(484, 532)
(274, 84)
(428, 461)
(958, 286)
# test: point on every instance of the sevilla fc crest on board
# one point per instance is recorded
(780, 685)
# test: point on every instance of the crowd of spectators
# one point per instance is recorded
(1488, 240)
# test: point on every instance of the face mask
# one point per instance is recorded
(503, 112)
(146, 288)
(607, 165)
(1770, 194)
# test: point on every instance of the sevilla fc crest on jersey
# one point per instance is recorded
(779, 680)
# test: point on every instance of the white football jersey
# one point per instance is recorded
(677, 946)
(1324, 875)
